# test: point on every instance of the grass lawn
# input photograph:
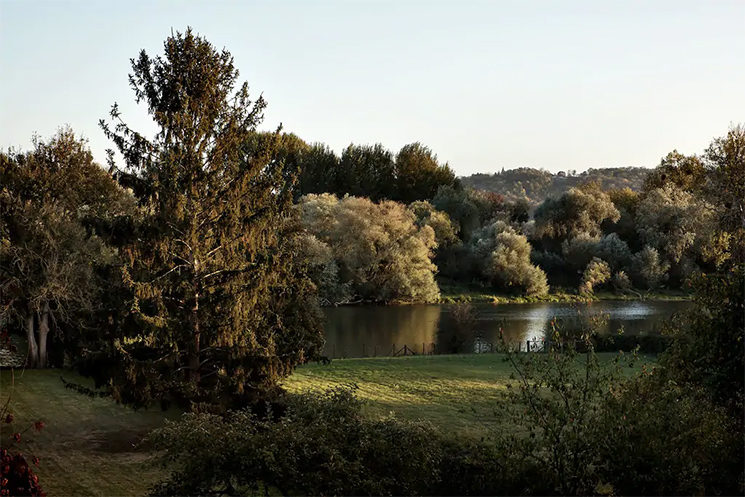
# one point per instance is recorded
(457, 393)
(86, 447)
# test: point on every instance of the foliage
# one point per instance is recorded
(684, 172)
(621, 281)
(648, 269)
(371, 171)
(708, 343)
(556, 405)
(579, 210)
(461, 207)
(381, 253)
(725, 161)
(586, 430)
(577, 252)
(596, 273)
(505, 258)
(419, 174)
(674, 222)
(691, 449)
(536, 185)
(446, 233)
(220, 309)
(318, 167)
(321, 445)
(48, 262)
(366, 171)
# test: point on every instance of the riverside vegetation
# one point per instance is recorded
(190, 277)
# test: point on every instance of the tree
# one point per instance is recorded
(366, 171)
(446, 234)
(579, 210)
(461, 208)
(596, 273)
(648, 268)
(419, 174)
(220, 308)
(319, 166)
(725, 162)
(675, 222)
(381, 252)
(686, 172)
(48, 263)
(505, 259)
(612, 249)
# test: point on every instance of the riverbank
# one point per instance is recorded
(451, 292)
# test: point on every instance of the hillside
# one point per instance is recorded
(537, 184)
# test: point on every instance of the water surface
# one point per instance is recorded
(370, 330)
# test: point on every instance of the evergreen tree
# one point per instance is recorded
(220, 309)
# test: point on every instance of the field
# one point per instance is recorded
(88, 446)
(457, 393)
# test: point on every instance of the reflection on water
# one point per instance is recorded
(363, 331)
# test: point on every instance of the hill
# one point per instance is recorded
(537, 184)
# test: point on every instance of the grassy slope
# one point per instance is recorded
(86, 447)
(457, 393)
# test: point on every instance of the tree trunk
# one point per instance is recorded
(194, 355)
(33, 350)
(43, 332)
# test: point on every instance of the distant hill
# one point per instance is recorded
(537, 184)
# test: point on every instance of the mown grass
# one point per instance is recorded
(89, 446)
(457, 393)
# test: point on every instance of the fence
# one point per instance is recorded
(479, 347)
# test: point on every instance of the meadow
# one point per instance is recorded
(92, 446)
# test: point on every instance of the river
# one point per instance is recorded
(369, 330)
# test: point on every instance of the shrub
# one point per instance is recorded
(321, 445)
(596, 273)
(621, 282)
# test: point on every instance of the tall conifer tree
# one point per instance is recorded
(219, 307)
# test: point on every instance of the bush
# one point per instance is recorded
(320, 445)
(596, 273)
(621, 282)
(661, 438)
(581, 428)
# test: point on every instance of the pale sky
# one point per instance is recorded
(553, 84)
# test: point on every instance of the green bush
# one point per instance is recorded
(319, 445)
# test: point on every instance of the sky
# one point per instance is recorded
(485, 84)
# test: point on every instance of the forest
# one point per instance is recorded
(190, 272)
